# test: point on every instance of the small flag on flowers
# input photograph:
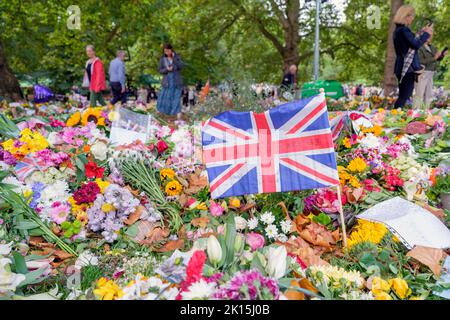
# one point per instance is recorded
(287, 148)
(27, 165)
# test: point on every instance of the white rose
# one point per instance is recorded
(99, 150)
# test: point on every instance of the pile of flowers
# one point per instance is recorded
(138, 221)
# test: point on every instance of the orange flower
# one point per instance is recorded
(86, 148)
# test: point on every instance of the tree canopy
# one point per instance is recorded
(220, 40)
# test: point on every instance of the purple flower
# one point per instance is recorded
(7, 158)
(248, 285)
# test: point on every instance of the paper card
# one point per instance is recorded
(129, 126)
(412, 224)
(444, 279)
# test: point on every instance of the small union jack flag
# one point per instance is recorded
(287, 148)
(27, 165)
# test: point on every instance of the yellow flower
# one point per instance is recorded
(379, 285)
(354, 182)
(107, 290)
(93, 115)
(82, 217)
(106, 207)
(357, 165)
(201, 206)
(394, 112)
(367, 111)
(173, 188)
(367, 231)
(74, 119)
(400, 287)
(102, 184)
(346, 142)
(167, 173)
(382, 296)
(235, 202)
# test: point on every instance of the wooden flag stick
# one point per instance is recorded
(341, 214)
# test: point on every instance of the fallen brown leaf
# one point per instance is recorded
(294, 294)
(318, 235)
(200, 222)
(431, 257)
(155, 235)
(300, 221)
(133, 217)
(170, 246)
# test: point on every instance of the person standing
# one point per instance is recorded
(169, 99)
(429, 57)
(94, 77)
(289, 82)
(191, 96)
(117, 78)
(406, 45)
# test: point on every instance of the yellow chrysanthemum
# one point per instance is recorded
(173, 188)
(93, 115)
(367, 231)
(346, 142)
(201, 206)
(102, 184)
(107, 290)
(74, 119)
(167, 173)
(357, 165)
(106, 207)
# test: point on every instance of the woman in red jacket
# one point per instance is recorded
(94, 77)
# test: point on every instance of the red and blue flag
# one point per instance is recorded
(287, 148)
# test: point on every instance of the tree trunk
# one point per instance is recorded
(9, 86)
(390, 81)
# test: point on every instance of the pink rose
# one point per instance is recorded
(255, 240)
(215, 209)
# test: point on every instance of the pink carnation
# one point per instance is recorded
(255, 240)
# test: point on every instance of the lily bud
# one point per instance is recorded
(214, 250)
(276, 262)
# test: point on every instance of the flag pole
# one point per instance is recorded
(341, 214)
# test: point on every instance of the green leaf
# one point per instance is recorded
(33, 277)
(19, 263)
(132, 230)
(26, 225)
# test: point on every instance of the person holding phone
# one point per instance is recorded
(405, 43)
(170, 65)
(429, 57)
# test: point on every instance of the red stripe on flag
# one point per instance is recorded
(225, 177)
(308, 117)
(228, 130)
(265, 152)
(311, 171)
(319, 141)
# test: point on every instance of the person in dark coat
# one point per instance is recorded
(289, 81)
(405, 39)
(169, 99)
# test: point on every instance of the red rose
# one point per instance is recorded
(161, 146)
(93, 171)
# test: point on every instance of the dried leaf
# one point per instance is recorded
(133, 217)
(294, 294)
(155, 235)
(303, 250)
(144, 228)
(353, 195)
(247, 207)
(62, 255)
(306, 284)
(171, 246)
(200, 222)
(318, 235)
(431, 257)
(301, 221)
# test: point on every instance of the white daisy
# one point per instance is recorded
(252, 223)
(199, 290)
(286, 226)
(267, 217)
(271, 231)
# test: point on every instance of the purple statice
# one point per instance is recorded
(248, 285)
(122, 199)
(110, 210)
(116, 177)
(7, 157)
(37, 188)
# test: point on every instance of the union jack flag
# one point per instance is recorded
(27, 165)
(287, 148)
